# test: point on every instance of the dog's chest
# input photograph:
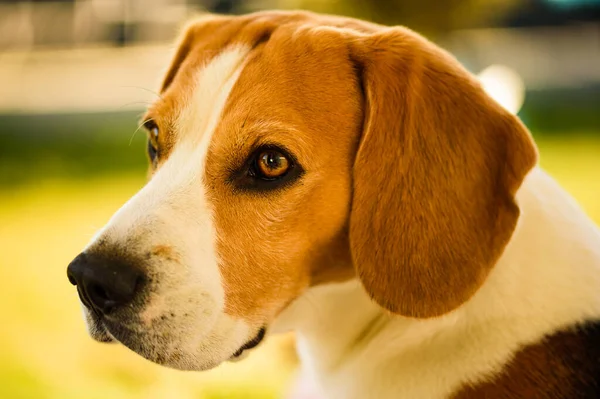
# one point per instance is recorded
(563, 365)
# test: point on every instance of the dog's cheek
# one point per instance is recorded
(261, 278)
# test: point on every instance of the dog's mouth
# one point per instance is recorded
(102, 333)
(253, 343)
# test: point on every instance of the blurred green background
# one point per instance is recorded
(76, 75)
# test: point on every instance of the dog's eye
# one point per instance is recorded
(267, 168)
(271, 164)
(152, 128)
(153, 133)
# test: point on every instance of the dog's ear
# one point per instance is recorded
(193, 35)
(206, 36)
(435, 176)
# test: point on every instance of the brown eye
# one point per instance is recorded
(272, 164)
(153, 132)
(268, 168)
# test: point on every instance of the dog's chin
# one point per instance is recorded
(102, 335)
(152, 346)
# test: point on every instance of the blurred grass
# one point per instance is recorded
(48, 212)
(77, 146)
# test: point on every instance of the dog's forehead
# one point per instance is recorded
(205, 40)
(207, 55)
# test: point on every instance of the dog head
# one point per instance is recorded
(293, 149)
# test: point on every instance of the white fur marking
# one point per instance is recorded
(172, 210)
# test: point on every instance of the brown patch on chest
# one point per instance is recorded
(565, 365)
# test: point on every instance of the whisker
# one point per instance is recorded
(138, 128)
(145, 89)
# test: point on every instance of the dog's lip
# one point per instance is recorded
(99, 331)
(253, 343)
(84, 299)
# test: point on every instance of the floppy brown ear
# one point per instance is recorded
(435, 176)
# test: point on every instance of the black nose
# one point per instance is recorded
(104, 283)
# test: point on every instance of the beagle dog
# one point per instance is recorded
(355, 184)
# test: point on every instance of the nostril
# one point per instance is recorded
(101, 298)
(139, 281)
(97, 292)
(72, 279)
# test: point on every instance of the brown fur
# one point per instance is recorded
(262, 275)
(565, 365)
(423, 210)
(298, 239)
(434, 178)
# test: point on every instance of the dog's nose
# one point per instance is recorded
(104, 283)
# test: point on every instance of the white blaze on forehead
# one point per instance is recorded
(204, 108)
(177, 186)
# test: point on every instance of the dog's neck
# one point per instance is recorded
(548, 278)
